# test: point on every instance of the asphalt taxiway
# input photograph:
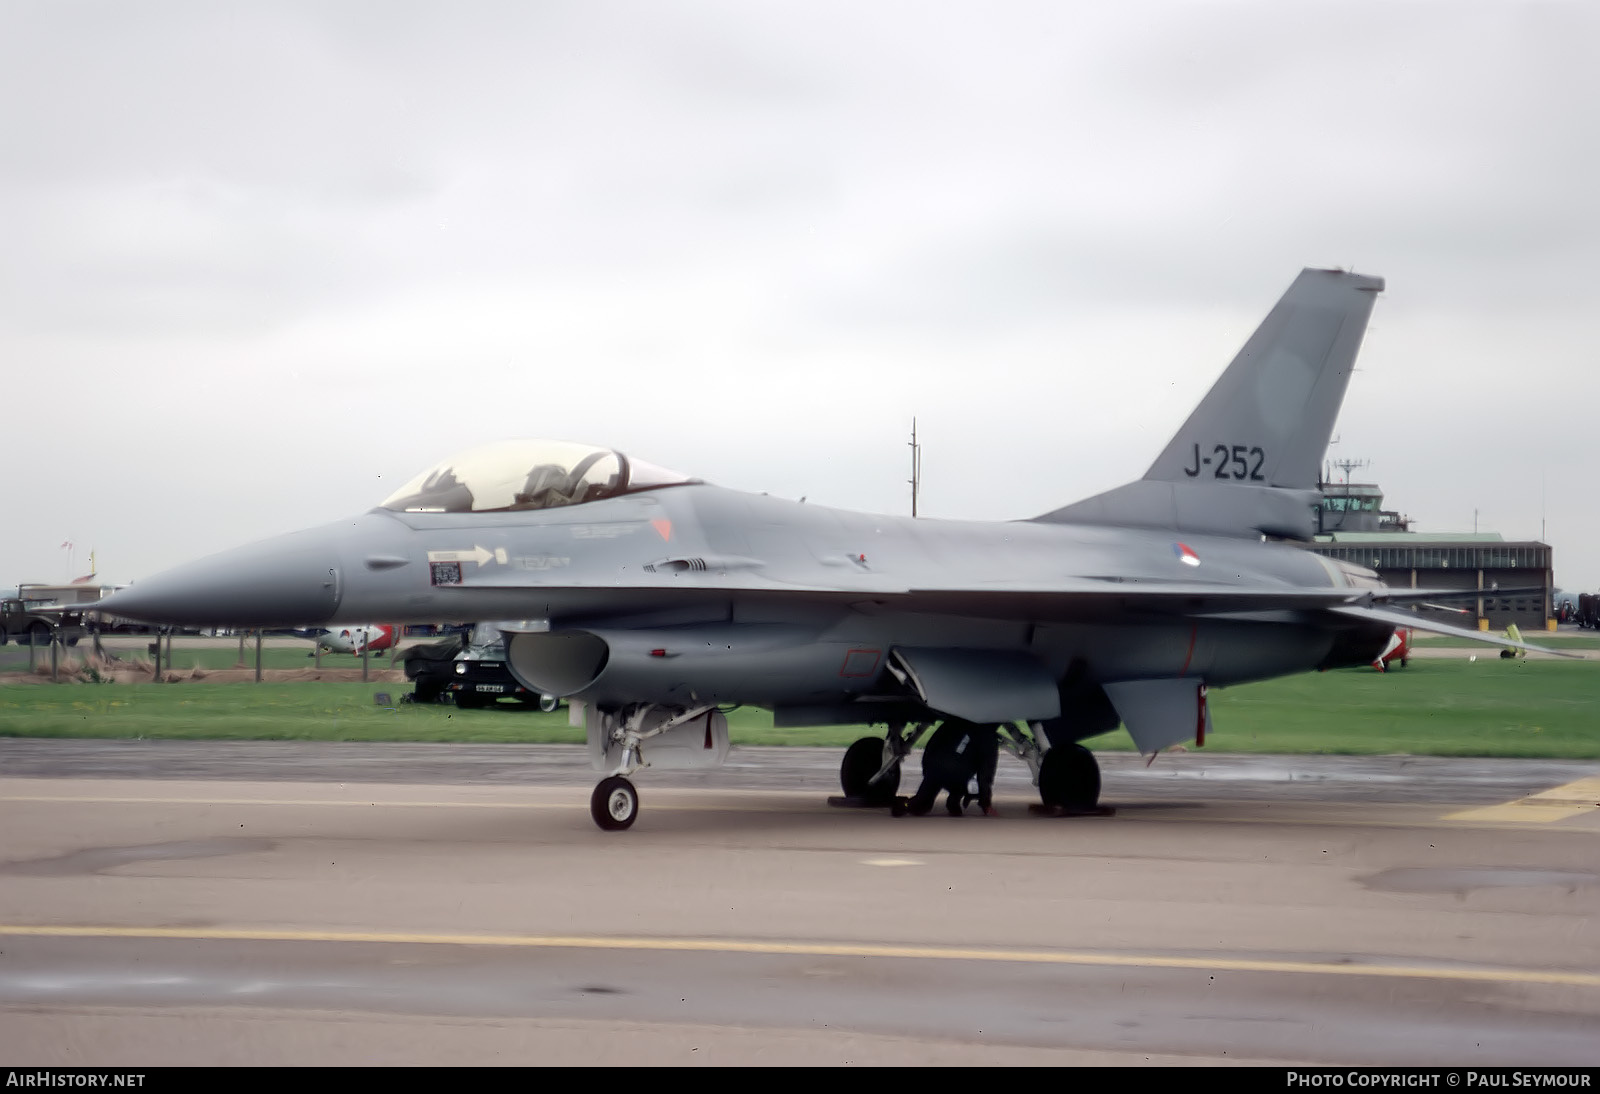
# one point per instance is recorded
(260, 903)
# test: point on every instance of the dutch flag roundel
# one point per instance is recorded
(1185, 555)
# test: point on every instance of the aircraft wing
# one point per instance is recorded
(1072, 599)
(1069, 600)
(1081, 600)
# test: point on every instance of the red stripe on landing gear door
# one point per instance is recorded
(859, 663)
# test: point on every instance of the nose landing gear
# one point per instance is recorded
(693, 738)
(614, 805)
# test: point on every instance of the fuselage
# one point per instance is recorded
(768, 601)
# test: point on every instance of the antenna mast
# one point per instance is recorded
(1348, 466)
(916, 467)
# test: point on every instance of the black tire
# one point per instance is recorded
(38, 635)
(614, 805)
(1069, 778)
(2, 636)
(861, 762)
(466, 700)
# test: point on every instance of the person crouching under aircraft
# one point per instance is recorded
(957, 753)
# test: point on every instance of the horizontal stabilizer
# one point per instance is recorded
(980, 685)
(1162, 713)
(1417, 596)
(1410, 619)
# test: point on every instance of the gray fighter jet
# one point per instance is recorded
(653, 601)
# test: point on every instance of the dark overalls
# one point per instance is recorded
(956, 753)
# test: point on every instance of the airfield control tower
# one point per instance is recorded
(1353, 525)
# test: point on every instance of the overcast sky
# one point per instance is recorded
(263, 262)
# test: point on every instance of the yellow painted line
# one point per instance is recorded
(1585, 791)
(1522, 812)
(820, 949)
(1558, 803)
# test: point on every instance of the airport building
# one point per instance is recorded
(1354, 526)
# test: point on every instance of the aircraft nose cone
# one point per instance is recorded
(288, 581)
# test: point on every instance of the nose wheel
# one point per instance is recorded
(614, 804)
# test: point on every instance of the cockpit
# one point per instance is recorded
(508, 476)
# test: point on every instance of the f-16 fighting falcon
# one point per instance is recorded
(654, 602)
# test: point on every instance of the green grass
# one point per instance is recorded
(301, 711)
(216, 657)
(1491, 707)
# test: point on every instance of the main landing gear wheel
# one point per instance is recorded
(862, 761)
(614, 804)
(1069, 779)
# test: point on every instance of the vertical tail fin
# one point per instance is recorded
(1246, 461)
(1278, 399)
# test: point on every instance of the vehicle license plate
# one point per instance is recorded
(492, 687)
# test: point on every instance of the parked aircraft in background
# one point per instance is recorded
(654, 601)
(356, 637)
(1397, 651)
(1564, 606)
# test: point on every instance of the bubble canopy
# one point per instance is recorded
(508, 476)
